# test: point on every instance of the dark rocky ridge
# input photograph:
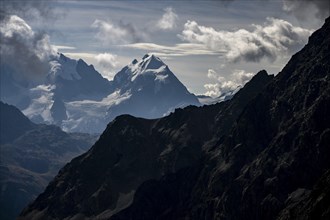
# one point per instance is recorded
(30, 156)
(13, 123)
(262, 155)
(132, 150)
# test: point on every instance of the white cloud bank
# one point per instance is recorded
(274, 38)
(302, 9)
(221, 85)
(168, 20)
(107, 62)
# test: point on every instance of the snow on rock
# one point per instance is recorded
(87, 102)
(90, 116)
(64, 67)
(41, 103)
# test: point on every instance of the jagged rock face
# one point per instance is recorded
(58, 111)
(262, 155)
(133, 150)
(75, 80)
(274, 162)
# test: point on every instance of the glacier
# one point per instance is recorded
(77, 98)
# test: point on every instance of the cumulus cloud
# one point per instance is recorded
(221, 86)
(107, 62)
(23, 50)
(168, 20)
(274, 38)
(302, 8)
(121, 33)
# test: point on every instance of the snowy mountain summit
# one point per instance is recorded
(152, 87)
(78, 99)
(149, 68)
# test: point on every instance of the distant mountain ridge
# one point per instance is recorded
(30, 156)
(77, 98)
(13, 123)
(76, 80)
(264, 154)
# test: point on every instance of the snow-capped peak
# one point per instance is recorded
(148, 62)
(148, 66)
(76, 97)
(64, 67)
(151, 62)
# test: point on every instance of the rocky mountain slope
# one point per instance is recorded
(152, 88)
(133, 150)
(262, 155)
(13, 123)
(30, 156)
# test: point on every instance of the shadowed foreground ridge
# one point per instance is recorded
(30, 157)
(262, 155)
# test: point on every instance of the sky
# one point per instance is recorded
(211, 46)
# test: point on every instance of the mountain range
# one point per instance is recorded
(264, 154)
(77, 98)
(31, 155)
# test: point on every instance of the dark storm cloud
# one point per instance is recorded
(28, 8)
(302, 8)
(24, 52)
(136, 35)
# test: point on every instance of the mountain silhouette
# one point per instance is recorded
(31, 155)
(264, 154)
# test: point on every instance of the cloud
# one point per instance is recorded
(302, 9)
(23, 50)
(183, 49)
(62, 47)
(274, 38)
(107, 62)
(168, 20)
(28, 9)
(221, 86)
(121, 33)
